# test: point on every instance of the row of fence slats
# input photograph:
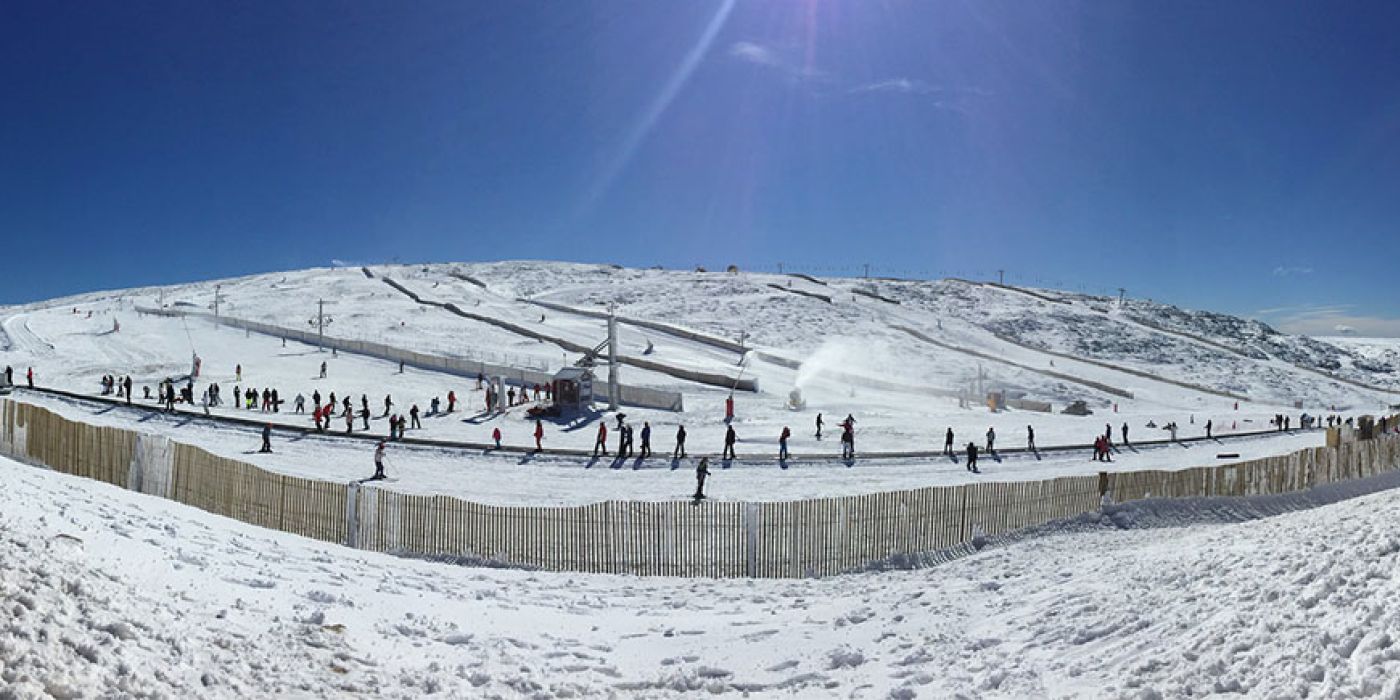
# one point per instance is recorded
(713, 539)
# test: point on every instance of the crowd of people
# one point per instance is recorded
(326, 411)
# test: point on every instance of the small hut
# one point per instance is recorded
(573, 388)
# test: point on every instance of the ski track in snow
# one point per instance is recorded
(106, 592)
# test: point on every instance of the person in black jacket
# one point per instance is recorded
(972, 457)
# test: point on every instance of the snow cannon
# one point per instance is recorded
(795, 400)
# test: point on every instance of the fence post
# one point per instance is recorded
(752, 519)
(352, 519)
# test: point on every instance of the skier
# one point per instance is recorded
(29, 376)
(388, 404)
(9, 374)
(435, 406)
(1209, 423)
(782, 444)
(349, 420)
(602, 443)
(1030, 438)
(276, 402)
(379, 461)
(991, 441)
(679, 452)
(702, 470)
(323, 369)
(451, 401)
(1125, 434)
(539, 436)
(364, 415)
(729, 438)
(267, 438)
(496, 435)
(364, 403)
(299, 404)
(126, 382)
(848, 440)
(413, 413)
(819, 426)
(646, 440)
(972, 457)
(948, 442)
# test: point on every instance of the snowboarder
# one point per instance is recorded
(602, 442)
(819, 426)
(782, 444)
(729, 438)
(29, 377)
(702, 470)
(379, 461)
(323, 369)
(679, 452)
(539, 436)
(267, 438)
(238, 373)
(972, 457)
(948, 442)
(646, 440)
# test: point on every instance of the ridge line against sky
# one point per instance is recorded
(1240, 158)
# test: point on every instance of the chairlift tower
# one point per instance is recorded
(321, 321)
(614, 390)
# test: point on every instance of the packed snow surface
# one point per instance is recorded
(108, 593)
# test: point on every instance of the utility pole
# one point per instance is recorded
(614, 390)
(867, 271)
(216, 300)
(321, 324)
(1001, 277)
(1121, 292)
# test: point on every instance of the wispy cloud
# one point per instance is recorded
(778, 60)
(1331, 319)
(903, 86)
(775, 59)
(753, 53)
(1285, 271)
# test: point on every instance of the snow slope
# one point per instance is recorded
(109, 593)
(856, 358)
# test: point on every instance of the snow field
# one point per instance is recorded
(108, 592)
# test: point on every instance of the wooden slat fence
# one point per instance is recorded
(818, 537)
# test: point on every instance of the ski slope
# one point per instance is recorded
(111, 593)
(855, 359)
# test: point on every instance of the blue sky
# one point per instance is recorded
(1239, 156)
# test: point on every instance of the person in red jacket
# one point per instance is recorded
(451, 401)
(496, 435)
(602, 443)
(539, 435)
